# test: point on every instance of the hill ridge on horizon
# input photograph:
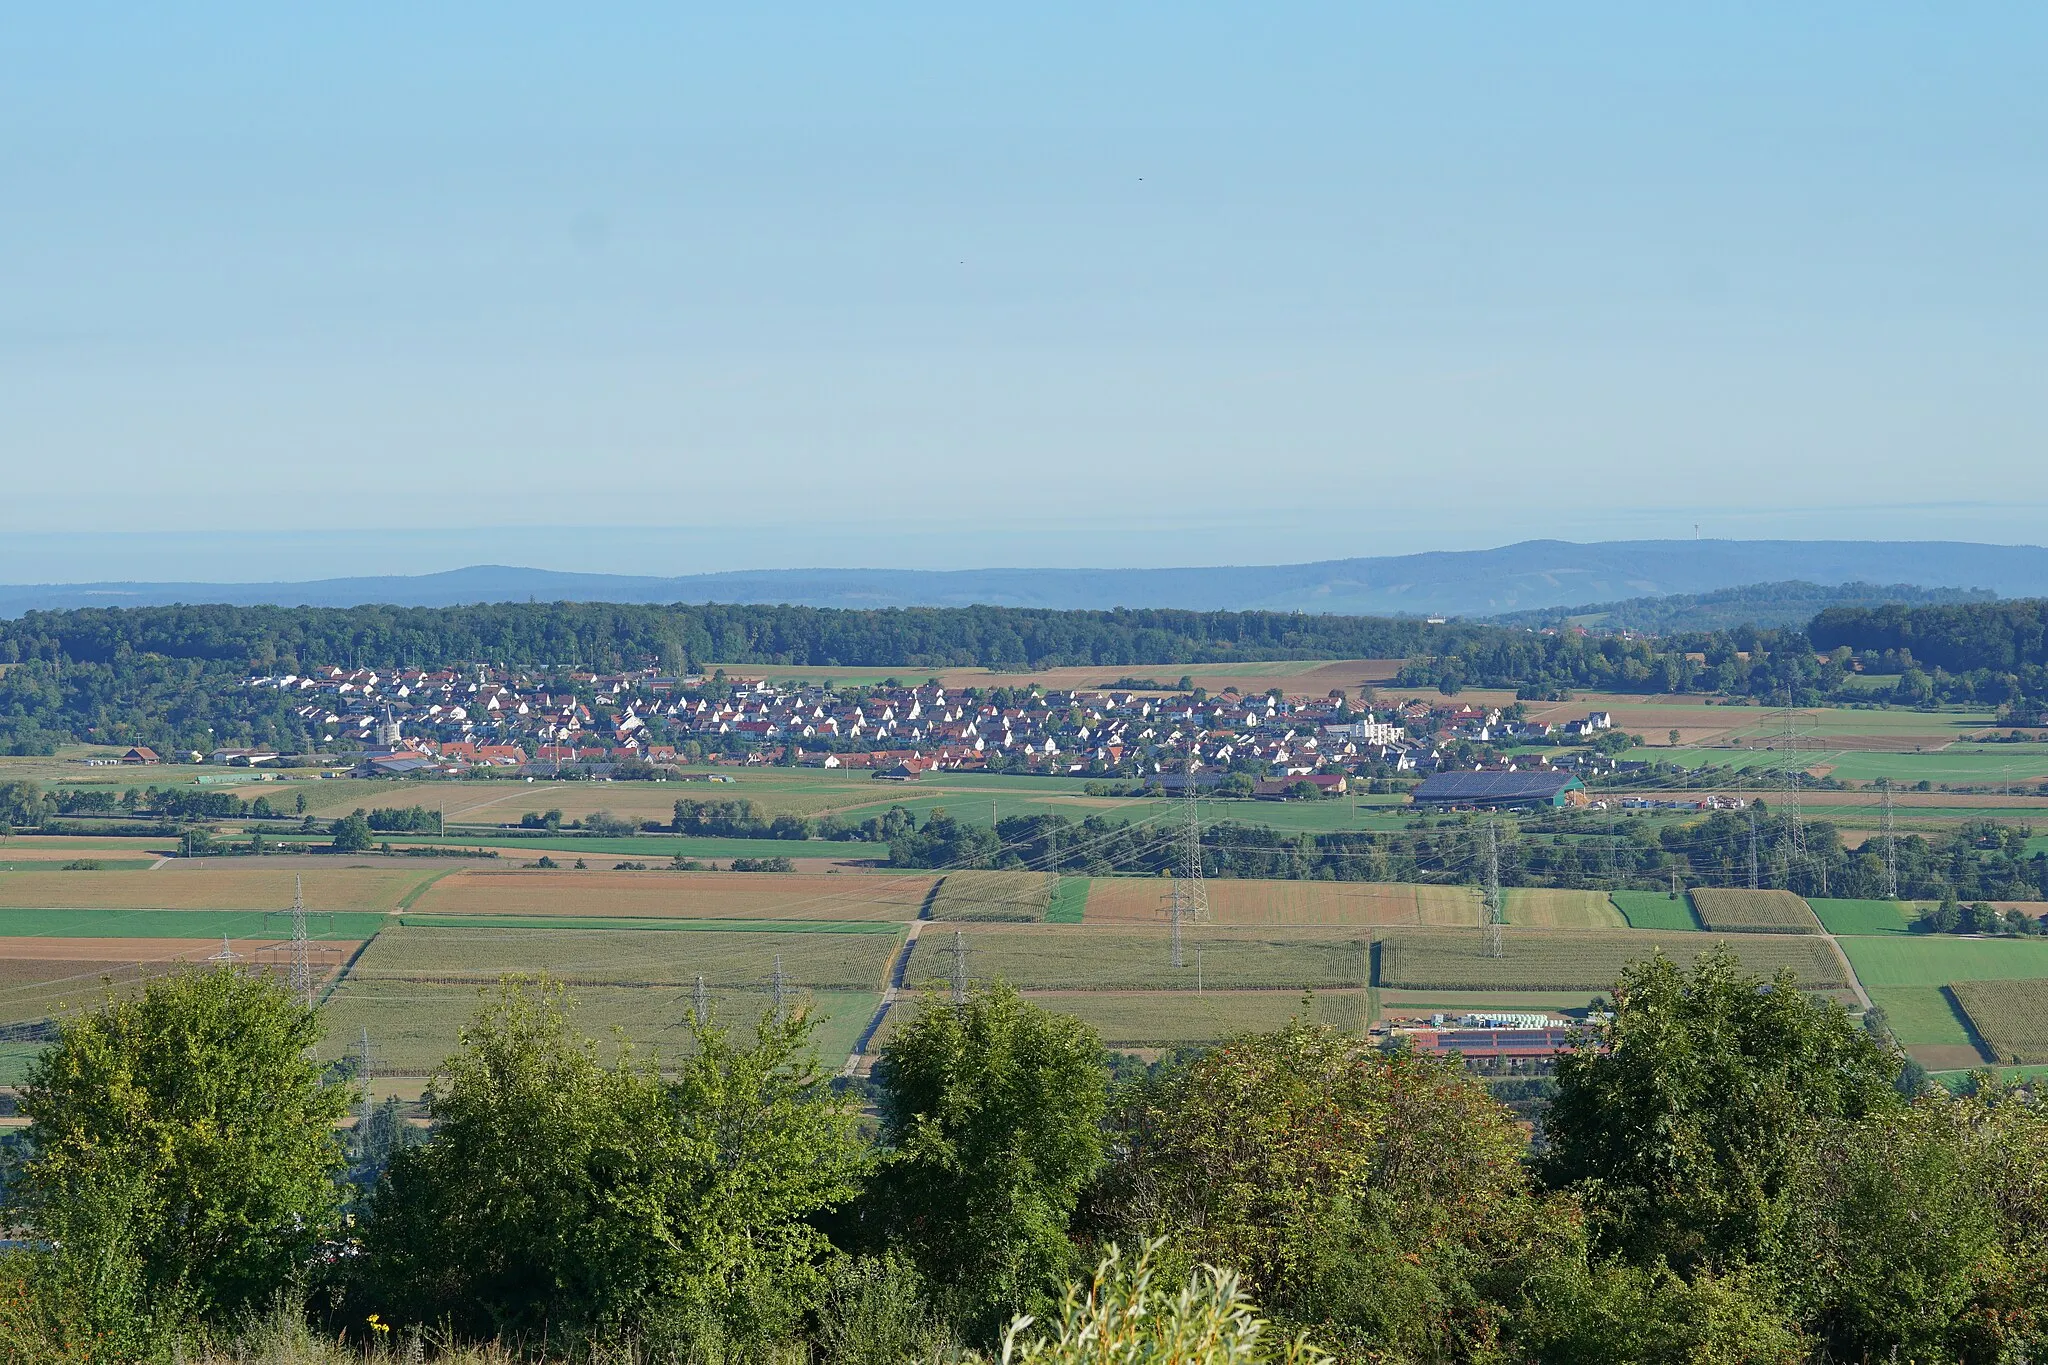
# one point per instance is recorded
(1525, 576)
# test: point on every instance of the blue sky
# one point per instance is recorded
(1058, 284)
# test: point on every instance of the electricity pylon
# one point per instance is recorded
(1891, 848)
(1494, 917)
(301, 980)
(1190, 895)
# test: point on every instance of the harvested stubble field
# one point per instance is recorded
(627, 957)
(1728, 910)
(414, 1026)
(991, 896)
(679, 895)
(1577, 960)
(2010, 1016)
(1084, 957)
(1540, 908)
(1143, 900)
(213, 884)
(1166, 1018)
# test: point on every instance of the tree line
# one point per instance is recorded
(1730, 1171)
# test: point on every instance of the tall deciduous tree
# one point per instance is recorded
(561, 1194)
(1686, 1128)
(991, 1114)
(196, 1105)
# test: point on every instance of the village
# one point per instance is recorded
(419, 722)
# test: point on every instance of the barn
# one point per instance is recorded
(1499, 788)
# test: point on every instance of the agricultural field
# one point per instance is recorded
(1729, 910)
(414, 1026)
(216, 884)
(626, 957)
(1232, 901)
(679, 895)
(1655, 910)
(991, 896)
(1865, 917)
(1166, 1018)
(2010, 1016)
(1069, 903)
(187, 925)
(1929, 1023)
(1579, 960)
(1913, 979)
(1087, 957)
(1536, 908)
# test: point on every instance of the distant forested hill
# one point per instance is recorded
(1791, 603)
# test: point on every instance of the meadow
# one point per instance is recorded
(1865, 917)
(1655, 910)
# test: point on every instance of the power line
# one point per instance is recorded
(1752, 849)
(1891, 848)
(1190, 896)
(700, 1003)
(1494, 917)
(366, 1102)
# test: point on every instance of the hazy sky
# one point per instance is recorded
(1089, 284)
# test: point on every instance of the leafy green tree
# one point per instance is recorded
(561, 1195)
(1378, 1200)
(351, 833)
(1686, 1129)
(196, 1107)
(991, 1122)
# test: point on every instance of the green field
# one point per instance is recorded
(1655, 910)
(192, 924)
(1081, 957)
(1457, 959)
(1922, 1016)
(102, 864)
(581, 923)
(1865, 917)
(1937, 959)
(1070, 902)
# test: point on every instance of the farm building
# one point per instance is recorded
(1496, 788)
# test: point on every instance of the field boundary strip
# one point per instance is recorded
(596, 924)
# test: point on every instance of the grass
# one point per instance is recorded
(1070, 902)
(185, 924)
(990, 896)
(1084, 957)
(566, 893)
(1938, 959)
(1548, 909)
(1922, 1016)
(1421, 960)
(2010, 1016)
(1728, 910)
(1864, 917)
(1654, 910)
(584, 924)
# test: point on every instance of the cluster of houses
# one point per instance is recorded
(413, 720)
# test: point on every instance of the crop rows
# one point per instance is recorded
(1080, 957)
(2010, 1016)
(991, 896)
(1458, 960)
(1728, 910)
(626, 957)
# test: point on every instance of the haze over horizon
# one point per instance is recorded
(922, 288)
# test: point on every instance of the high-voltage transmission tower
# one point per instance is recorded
(301, 980)
(1795, 814)
(1190, 896)
(1494, 916)
(959, 954)
(1752, 850)
(1888, 831)
(1052, 866)
(700, 1003)
(365, 1102)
